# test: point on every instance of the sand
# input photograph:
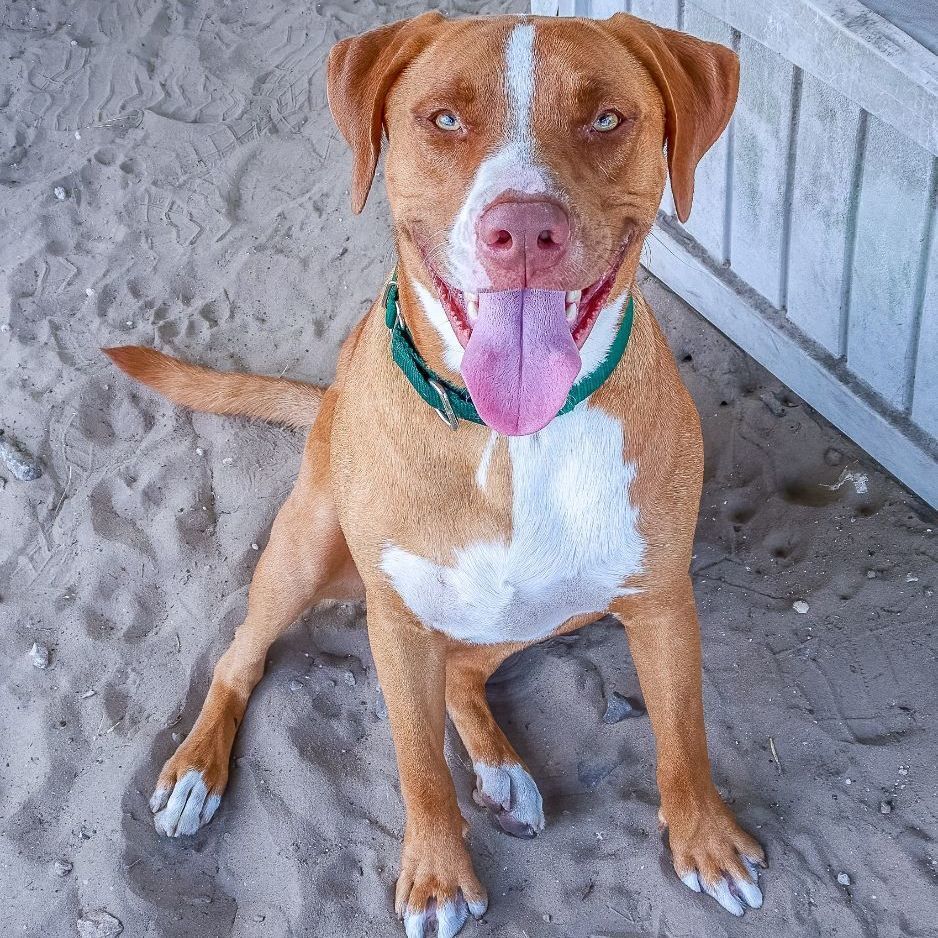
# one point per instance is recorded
(202, 208)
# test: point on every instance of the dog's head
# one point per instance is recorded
(524, 168)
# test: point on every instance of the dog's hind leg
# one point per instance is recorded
(503, 784)
(306, 561)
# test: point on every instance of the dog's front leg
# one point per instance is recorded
(437, 887)
(709, 849)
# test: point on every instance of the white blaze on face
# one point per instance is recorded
(512, 166)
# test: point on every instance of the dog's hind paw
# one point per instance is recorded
(181, 810)
(512, 795)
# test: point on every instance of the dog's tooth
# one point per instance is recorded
(572, 310)
(472, 308)
(472, 298)
(573, 296)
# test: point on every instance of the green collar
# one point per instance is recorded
(453, 403)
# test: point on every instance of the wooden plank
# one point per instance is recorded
(662, 12)
(925, 389)
(770, 340)
(760, 168)
(891, 223)
(863, 57)
(823, 210)
(707, 223)
(602, 9)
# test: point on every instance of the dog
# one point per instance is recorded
(526, 159)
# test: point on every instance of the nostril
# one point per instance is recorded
(501, 239)
(546, 239)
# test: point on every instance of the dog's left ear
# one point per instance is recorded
(698, 81)
(361, 71)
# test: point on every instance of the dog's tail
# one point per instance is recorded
(278, 400)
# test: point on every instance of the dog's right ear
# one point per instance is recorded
(362, 70)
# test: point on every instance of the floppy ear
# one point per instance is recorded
(361, 71)
(698, 81)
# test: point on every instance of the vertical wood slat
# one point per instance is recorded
(892, 216)
(925, 387)
(762, 128)
(602, 9)
(825, 172)
(662, 12)
(706, 223)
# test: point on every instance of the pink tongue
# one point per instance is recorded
(520, 361)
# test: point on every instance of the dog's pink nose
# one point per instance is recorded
(520, 242)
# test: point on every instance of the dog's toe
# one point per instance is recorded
(513, 797)
(440, 920)
(182, 810)
(734, 892)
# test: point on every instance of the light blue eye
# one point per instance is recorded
(607, 121)
(446, 120)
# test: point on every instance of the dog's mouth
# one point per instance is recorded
(581, 307)
(522, 347)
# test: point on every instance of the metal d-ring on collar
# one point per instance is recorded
(453, 403)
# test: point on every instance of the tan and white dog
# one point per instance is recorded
(526, 159)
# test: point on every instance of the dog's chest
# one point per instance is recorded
(574, 541)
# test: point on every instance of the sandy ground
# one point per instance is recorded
(169, 175)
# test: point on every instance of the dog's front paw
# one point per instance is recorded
(714, 855)
(438, 888)
(189, 789)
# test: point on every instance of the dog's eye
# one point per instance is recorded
(447, 120)
(607, 121)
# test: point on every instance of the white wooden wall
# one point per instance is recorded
(812, 239)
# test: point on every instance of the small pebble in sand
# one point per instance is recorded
(381, 708)
(88, 693)
(77, 135)
(199, 451)
(800, 606)
(227, 461)
(885, 807)
(255, 547)
(99, 924)
(619, 707)
(39, 654)
(296, 685)
(911, 578)
(349, 678)
(89, 291)
(60, 193)
(871, 574)
(17, 460)
(773, 403)
(62, 867)
(843, 879)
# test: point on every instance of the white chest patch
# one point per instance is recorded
(574, 541)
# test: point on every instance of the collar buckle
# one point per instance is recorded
(445, 412)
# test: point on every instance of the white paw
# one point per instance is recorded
(441, 920)
(513, 797)
(186, 808)
(734, 893)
